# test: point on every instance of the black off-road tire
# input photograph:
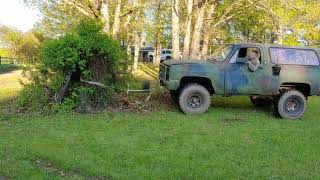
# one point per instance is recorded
(261, 101)
(298, 105)
(194, 99)
(275, 105)
(175, 96)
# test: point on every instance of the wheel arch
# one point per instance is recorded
(304, 88)
(204, 81)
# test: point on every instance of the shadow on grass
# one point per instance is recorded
(238, 102)
(7, 68)
(239, 109)
(151, 71)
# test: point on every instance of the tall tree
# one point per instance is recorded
(116, 22)
(187, 37)
(137, 44)
(207, 29)
(175, 30)
(159, 30)
(196, 37)
(105, 15)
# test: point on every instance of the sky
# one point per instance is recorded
(14, 13)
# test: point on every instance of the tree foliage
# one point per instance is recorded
(86, 49)
(206, 22)
(21, 46)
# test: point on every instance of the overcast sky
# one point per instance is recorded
(15, 13)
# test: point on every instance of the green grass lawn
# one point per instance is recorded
(226, 142)
(232, 140)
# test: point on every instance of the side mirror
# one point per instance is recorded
(241, 60)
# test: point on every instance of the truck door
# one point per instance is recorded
(239, 79)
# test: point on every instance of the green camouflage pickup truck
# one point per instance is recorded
(285, 76)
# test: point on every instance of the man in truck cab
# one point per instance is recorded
(253, 60)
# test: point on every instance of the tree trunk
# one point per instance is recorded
(186, 46)
(59, 96)
(116, 22)
(105, 15)
(128, 19)
(175, 30)
(129, 48)
(156, 58)
(280, 35)
(195, 46)
(159, 31)
(136, 51)
(207, 33)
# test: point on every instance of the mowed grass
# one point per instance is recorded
(9, 81)
(232, 140)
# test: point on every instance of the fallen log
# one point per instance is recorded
(93, 83)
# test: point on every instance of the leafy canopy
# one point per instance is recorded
(82, 50)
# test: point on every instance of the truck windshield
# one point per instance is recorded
(220, 53)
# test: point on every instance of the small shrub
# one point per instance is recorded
(67, 106)
(34, 98)
(85, 54)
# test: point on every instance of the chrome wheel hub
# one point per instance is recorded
(292, 105)
(195, 101)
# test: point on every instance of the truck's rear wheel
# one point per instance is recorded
(291, 105)
(194, 99)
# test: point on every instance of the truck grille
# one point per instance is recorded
(163, 74)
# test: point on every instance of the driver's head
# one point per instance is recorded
(253, 55)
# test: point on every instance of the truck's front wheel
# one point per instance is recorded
(291, 104)
(194, 99)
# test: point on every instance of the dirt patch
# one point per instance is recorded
(163, 100)
(141, 103)
(50, 167)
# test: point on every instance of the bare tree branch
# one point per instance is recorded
(81, 8)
